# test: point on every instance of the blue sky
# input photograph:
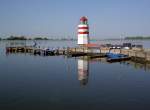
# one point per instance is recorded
(107, 18)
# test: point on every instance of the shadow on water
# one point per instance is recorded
(137, 65)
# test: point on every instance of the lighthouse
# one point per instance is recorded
(83, 31)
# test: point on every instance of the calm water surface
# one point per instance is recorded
(30, 82)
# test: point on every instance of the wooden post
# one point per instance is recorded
(145, 56)
(135, 54)
(100, 50)
(128, 52)
(67, 50)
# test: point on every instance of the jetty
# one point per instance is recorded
(135, 54)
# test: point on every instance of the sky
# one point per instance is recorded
(53, 18)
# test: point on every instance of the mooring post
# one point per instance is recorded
(145, 56)
(135, 54)
(58, 50)
(100, 50)
(109, 50)
(67, 50)
(128, 53)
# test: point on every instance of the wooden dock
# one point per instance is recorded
(142, 55)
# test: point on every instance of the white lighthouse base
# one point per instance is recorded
(82, 39)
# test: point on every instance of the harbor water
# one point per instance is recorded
(61, 83)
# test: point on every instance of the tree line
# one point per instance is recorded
(35, 38)
(137, 37)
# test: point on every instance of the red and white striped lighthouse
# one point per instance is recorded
(83, 31)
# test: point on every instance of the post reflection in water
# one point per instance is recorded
(83, 71)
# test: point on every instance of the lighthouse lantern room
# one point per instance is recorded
(83, 31)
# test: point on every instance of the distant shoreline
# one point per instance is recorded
(12, 38)
(19, 38)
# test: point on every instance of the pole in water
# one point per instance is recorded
(34, 44)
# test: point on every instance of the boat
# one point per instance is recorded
(111, 57)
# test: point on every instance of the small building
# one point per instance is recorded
(93, 48)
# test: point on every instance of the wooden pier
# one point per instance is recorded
(142, 55)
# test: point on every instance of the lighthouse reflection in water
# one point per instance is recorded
(83, 71)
